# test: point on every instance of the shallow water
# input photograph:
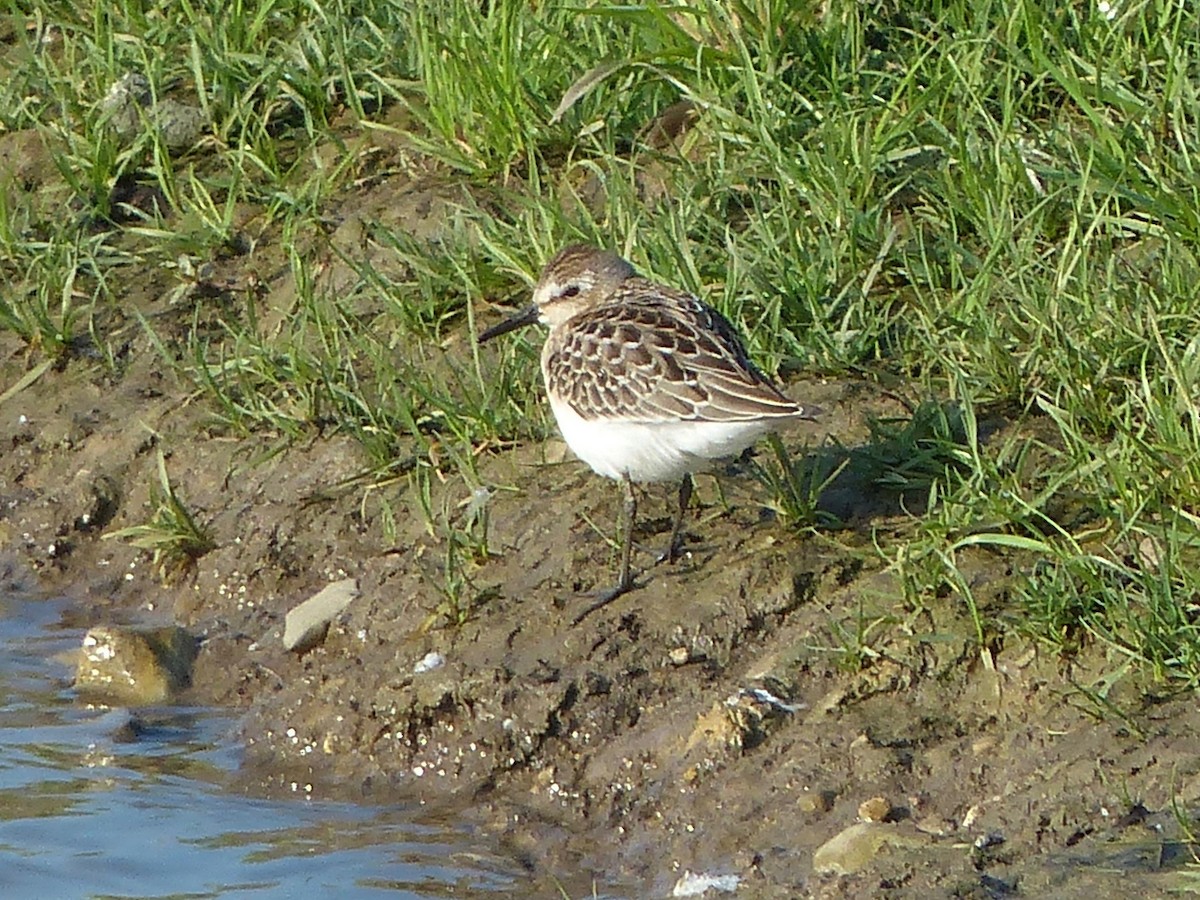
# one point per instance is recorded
(92, 807)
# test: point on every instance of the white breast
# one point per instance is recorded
(654, 451)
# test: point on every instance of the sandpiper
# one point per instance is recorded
(647, 383)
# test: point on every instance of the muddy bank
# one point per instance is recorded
(743, 708)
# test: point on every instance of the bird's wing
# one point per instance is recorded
(651, 353)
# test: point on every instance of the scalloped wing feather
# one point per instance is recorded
(650, 354)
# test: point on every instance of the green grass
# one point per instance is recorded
(172, 533)
(993, 205)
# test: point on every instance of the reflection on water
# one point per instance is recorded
(94, 805)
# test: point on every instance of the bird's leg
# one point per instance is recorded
(625, 578)
(676, 544)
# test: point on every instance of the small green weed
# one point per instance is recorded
(172, 533)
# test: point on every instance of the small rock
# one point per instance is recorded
(128, 667)
(850, 850)
(989, 840)
(716, 730)
(877, 809)
(969, 817)
(427, 663)
(690, 885)
(304, 626)
(816, 801)
(932, 825)
(130, 102)
(128, 94)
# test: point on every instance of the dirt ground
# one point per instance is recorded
(745, 707)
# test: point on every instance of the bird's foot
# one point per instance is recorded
(673, 551)
(602, 598)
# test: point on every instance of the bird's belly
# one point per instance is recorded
(652, 451)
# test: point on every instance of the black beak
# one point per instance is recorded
(527, 316)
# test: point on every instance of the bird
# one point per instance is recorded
(646, 382)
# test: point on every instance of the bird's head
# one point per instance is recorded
(576, 279)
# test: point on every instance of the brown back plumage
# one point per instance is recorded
(646, 352)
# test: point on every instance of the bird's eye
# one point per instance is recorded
(570, 291)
